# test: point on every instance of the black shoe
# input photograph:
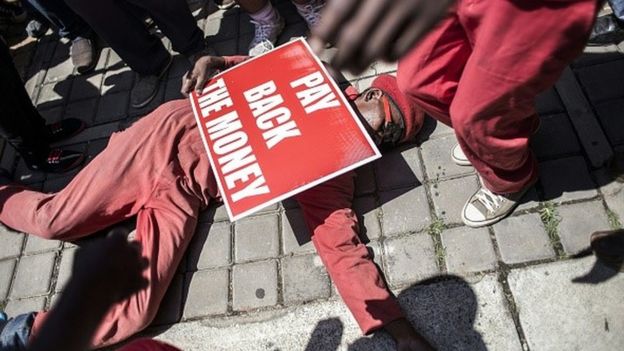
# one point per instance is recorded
(59, 161)
(65, 129)
(607, 29)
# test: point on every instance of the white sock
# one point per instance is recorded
(267, 14)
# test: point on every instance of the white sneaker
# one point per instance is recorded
(485, 207)
(458, 156)
(265, 36)
(311, 12)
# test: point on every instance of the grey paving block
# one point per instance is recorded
(616, 204)
(178, 68)
(410, 258)
(381, 67)
(399, 169)
(578, 221)
(404, 210)
(599, 80)
(555, 127)
(65, 268)
(95, 147)
(566, 179)
(95, 132)
(529, 201)
(368, 216)
(364, 180)
(172, 89)
(84, 110)
(155, 103)
(468, 250)
(52, 185)
(10, 242)
(254, 285)
(33, 275)
(113, 107)
(35, 244)
(53, 94)
(207, 293)
(8, 157)
(86, 87)
(60, 71)
(170, 310)
(569, 305)
(17, 307)
(296, 237)
(26, 175)
(304, 278)
(118, 80)
(256, 238)
(449, 197)
(211, 246)
(439, 129)
(522, 239)
(52, 115)
(436, 154)
(610, 114)
(216, 212)
(6, 275)
(548, 102)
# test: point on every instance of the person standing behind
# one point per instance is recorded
(24, 128)
(121, 24)
(269, 24)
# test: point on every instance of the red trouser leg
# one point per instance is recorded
(518, 49)
(327, 212)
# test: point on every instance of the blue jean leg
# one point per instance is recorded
(15, 333)
(618, 8)
(69, 24)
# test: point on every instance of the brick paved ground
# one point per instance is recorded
(409, 201)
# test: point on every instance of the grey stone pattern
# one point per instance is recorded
(268, 261)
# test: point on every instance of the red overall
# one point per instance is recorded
(158, 170)
(480, 70)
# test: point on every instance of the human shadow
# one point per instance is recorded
(443, 309)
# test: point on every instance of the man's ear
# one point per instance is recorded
(372, 94)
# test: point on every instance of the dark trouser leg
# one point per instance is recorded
(62, 17)
(20, 123)
(117, 23)
(175, 20)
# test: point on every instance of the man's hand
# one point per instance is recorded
(204, 68)
(367, 30)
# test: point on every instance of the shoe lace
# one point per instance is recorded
(490, 200)
(263, 31)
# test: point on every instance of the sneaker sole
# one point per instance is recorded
(460, 162)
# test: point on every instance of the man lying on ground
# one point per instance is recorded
(158, 170)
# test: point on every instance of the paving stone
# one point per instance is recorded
(216, 212)
(548, 102)
(404, 210)
(35, 244)
(65, 268)
(52, 115)
(566, 179)
(296, 237)
(84, 110)
(468, 250)
(207, 293)
(155, 103)
(172, 90)
(86, 87)
(53, 94)
(364, 180)
(178, 68)
(8, 157)
(399, 169)
(304, 278)
(382, 67)
(410, 258)
(17, 307)
(170, 310)
(610, 114)
(33, 275)
(578, 221)
(10, 242)
(450, 196)
(6, 275)
(368, 217)
(59, 72)
(616, 204)
(27, 176)
(118, 80)
(599, 80)
(436, 154)
(522, 239)
(558, 312)
(95, 147)
(529, 201)
(256, 238)
(95, 132)
(254, 285)
(555, 127)
(113, 107)
(210, 247)
(440, 129)
(267, 209)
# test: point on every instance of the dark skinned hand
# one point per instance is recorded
(204, 68)
(367, 30)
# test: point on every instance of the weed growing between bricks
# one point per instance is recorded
(614, 220)
(2, 305)
(503, 273)
(435, 231)
(550, 218)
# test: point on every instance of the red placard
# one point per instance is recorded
(276, 125)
